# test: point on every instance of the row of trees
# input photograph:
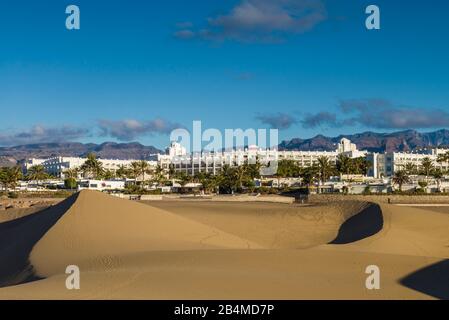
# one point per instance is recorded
(9, 176)
(323, 168)
(235, 179)
(401, 177)
(228, 180)
(426, 168)
(93, 168)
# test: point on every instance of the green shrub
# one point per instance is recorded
(155, 192)
(263, 190)
(135, 189)
(13, 195)
(367, 191)
(70, 183)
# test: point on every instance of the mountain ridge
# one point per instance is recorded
(407, 140)
(107, 150)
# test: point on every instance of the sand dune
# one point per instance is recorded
(408, 231)
(19, 236)
(192, 250)
(233, 274)
(98, 226)
(13, 214)
(271, 225)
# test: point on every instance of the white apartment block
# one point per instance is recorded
(349, 149)
(209, 162)
(28, 163)
(383, 164)
(386, 164)
(56, 166)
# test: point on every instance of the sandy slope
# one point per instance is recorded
(233, 274)
(99, 226)
(271, 225)
(408, 231)
(231, 251)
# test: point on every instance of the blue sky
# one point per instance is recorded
(136, 69)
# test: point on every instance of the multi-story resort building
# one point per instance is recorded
(386, 164)
(176, 158)
(56, 166)
(31, 162)
(383, 164)
(213, 162)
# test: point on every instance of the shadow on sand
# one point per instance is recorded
(432, 280)
(363, 225)
(18, 237)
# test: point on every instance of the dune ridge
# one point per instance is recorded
(129, 250)
(99, 226)
(408, 231)
(19, 236)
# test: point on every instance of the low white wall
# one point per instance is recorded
(145, 197)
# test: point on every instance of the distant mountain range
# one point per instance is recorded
(408, 140)
(375, 142)
(108, 150)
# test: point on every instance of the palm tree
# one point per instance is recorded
(438, 175)
(410, 168)
(209, 182)
(400, 177)
(427, 166)
(3, 178)
(423, 185)
(253, 169)
(344, 164)
(443, 157)
(37, 173)
(134, 169)
(92, 167)
(10, 176)
(122, 172)
(15, 174)
(287, 168)
(309, 175)
(325, 169)
(227, 179)
(72, 173)
(239, 173)
(184, 178)
(159, 174)
(362, 165)
(108, 174)
(144, 167)
(171, 171)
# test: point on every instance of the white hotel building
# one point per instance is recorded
(210, 162)
(386, 164)
(383, 164)
(56, 166)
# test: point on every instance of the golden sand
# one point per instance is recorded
(205, 250)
